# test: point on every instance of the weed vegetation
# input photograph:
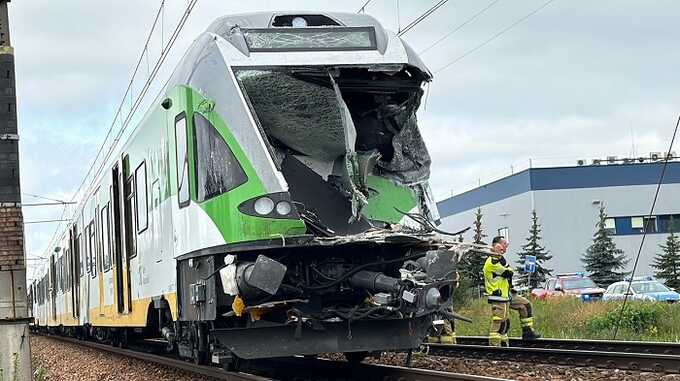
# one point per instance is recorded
(570, 318)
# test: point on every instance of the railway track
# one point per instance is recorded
(629, 355)
(291, 368)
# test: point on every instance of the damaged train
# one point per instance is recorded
(273, 201)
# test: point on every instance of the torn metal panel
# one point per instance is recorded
(410, 162)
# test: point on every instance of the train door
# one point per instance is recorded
(117, 238)
(53, 287)
(129, 228)
(75, 271)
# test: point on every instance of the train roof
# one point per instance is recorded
(275, 19)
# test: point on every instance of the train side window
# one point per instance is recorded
(81, 253)
(182, 160)
(142, 206)
(217, 169)
(106, 238)
(67, 269)
(59, 268)
(92, 249)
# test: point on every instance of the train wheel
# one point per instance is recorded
(355, 357)
(123, 338)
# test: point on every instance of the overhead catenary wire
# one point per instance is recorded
(363, 7)
(113, 123)
(44, 198)
(644, 231)
(45, 221)
(494, 36)
(460, 26)
(420, 18)
(48, 203)
(128, 91)
(164, 53)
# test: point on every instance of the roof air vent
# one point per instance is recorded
(298, 21)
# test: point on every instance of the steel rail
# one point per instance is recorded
(208, 371)
(570, 357)
(665, 348)
(297, 368)
(330, 370)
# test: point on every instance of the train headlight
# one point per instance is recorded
(264, 206)
(271, 205)
(283, 208)
(299, 22)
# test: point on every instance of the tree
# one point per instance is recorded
(533, 247)
(668, 262)
(602, 259)
(473, 263)
(479, 234)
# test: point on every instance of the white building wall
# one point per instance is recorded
(513, 212)
(568, 217)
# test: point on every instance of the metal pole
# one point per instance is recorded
(15, 354)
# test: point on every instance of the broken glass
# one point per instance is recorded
(311, 39)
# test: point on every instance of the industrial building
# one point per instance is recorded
(567, 201)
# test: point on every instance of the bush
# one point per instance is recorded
(636, 317)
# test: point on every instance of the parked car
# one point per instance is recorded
(570, 284)
(642, 288)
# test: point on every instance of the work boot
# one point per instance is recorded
(529, 334)
(432, 339)
(447, 339)
(505, 341)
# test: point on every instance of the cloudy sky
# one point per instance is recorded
(578, 79)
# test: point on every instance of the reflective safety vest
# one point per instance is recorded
(493, 268)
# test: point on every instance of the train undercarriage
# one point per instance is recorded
(351, 294)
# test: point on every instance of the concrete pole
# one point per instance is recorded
(15, 354)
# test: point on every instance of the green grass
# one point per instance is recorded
(569, 318)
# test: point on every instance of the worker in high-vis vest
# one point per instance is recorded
(498, 283)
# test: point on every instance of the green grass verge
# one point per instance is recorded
(569, 318)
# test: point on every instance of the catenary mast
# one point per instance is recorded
(15, 359)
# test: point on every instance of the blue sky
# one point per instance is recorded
(579, 79)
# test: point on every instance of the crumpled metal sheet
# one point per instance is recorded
(410, 163)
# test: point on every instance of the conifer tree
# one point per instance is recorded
(479, 232)
(533, 247)
(668, 262)
(474, 262)
(602, 259)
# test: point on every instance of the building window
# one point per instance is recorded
(142, 207)
(650, 224)
(504, 232)
(610, 225)
(668, 222)
(637, 224)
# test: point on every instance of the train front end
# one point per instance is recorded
(336, 249)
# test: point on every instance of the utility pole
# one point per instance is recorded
(15, 355)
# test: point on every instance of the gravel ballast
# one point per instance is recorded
(65, 361)
(520, 370)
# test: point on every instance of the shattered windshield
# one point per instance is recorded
(302, 116)
(302, 112)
